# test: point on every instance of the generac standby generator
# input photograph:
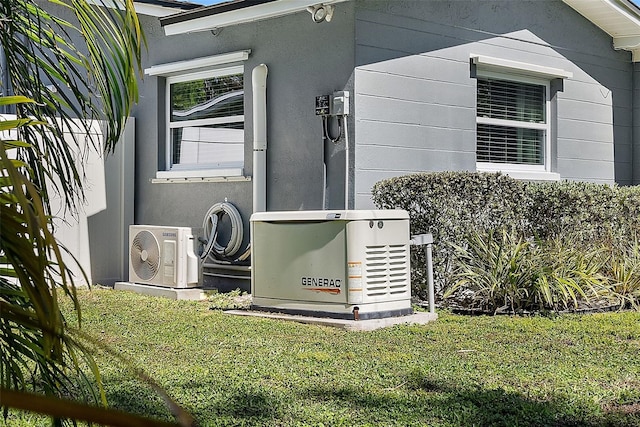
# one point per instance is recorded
(351, 264)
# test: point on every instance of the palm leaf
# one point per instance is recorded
(65, 75)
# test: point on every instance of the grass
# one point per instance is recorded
(580, 370)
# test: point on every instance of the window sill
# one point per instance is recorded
(208, 175)
(523, 175)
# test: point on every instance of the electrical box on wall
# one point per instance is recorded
(336, 104)
(339, 105)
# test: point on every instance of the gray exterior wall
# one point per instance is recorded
(304, 60)
(407, 65)
(636, 123)
(415, 96)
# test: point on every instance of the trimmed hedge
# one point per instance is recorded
(586, 211)
(450, 205)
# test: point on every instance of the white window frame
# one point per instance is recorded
(196, 69)
(515, 71)
(545, 127)
(206, 170)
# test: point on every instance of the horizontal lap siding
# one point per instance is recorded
(414, 112)
(594, 123)
(415, 95)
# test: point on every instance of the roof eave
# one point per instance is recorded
(630, 43)
(155, 10)
(210, 18)
(618, 18)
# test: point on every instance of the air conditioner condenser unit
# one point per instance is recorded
(339, 264)
(163, 256)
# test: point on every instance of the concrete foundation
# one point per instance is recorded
(349, 325)
(159, 291)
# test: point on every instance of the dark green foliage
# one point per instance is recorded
(454, 206)
(583, 210)
(448, 205)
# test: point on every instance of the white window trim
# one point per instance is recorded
(506, 66)
(204, 63)
(199, 173)
(195, 69)
(524, 172)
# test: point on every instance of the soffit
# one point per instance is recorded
(618, 18)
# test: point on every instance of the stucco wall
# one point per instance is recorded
(304, 60)
(415, 95)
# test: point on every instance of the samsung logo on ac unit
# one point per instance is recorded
(168, 234)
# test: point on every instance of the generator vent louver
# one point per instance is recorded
(386, 270)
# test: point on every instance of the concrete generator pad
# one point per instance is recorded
(419, 318)
(193, 294)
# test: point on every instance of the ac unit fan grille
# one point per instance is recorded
(386, 269)
(145, 255)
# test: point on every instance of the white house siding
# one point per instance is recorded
(415, 95)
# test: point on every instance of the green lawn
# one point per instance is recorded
(458, 371)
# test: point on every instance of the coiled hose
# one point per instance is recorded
(215, 251)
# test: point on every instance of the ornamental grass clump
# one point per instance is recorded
(623, 273)
(492, 271)
(567, 276)
(501, 272)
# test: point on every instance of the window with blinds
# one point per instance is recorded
(206, 120)
(511, 122)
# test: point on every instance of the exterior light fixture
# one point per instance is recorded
(321, 12)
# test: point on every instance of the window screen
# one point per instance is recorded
(511, 124)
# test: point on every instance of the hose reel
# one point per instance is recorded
(215, 251)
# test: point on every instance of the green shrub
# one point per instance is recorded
(454, 205)
(586, 211)
(629, 210)
(448, 205)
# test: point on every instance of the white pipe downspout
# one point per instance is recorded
(346, 163)
(259, 86)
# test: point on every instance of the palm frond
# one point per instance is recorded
(65, 75)
(47, 62)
